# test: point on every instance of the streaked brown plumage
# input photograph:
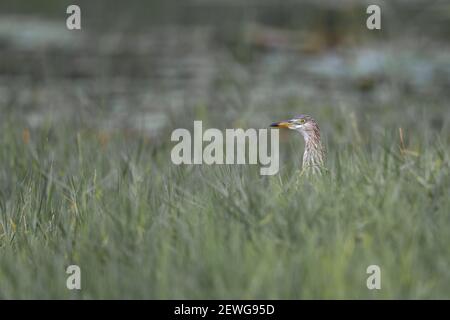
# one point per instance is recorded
(314, 155)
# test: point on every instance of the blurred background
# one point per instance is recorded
(149, 65)
(85, 171)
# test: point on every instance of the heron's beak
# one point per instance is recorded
(281, 124)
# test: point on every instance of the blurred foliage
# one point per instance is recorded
(412, 16)
(85, 175)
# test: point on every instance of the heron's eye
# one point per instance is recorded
(302, 121)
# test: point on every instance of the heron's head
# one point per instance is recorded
(303, 123)
(313, 157)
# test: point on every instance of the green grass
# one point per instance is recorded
(141, 227)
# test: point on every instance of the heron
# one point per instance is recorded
(314, 154)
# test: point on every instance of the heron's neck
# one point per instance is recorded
(314, 152)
